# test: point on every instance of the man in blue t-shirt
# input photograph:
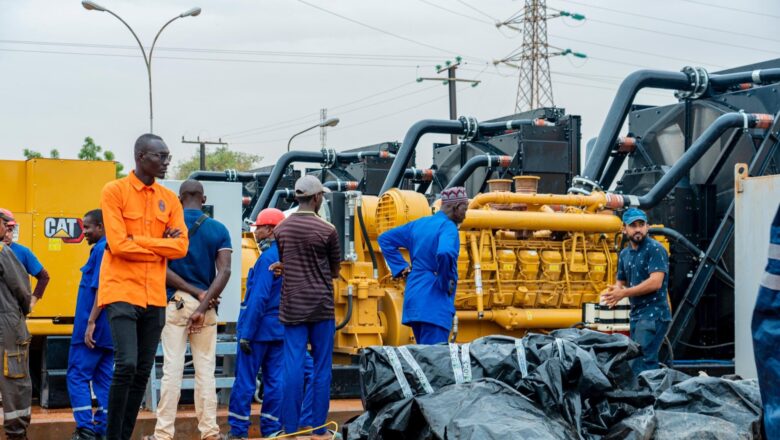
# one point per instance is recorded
(27, 258)
(194, 285)
(642, 277)
(91, 356)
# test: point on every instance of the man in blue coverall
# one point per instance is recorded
(261, 341)
(433, 244)
(91, 356)
(642, 277)
(766, 333)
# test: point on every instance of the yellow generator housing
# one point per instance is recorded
(48, 198)
(528, 262)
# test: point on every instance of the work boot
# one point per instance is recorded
(229, 436)
(84, 434)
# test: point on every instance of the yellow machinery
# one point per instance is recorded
(527, 261)
(48, 198)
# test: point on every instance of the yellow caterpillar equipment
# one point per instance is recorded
(527, 262)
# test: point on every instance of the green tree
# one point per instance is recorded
(30, 154)
(91, 151)
(219, 160)
(54, 153)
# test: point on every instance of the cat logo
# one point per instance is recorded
(70, 230)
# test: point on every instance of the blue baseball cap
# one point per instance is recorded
(633, 214)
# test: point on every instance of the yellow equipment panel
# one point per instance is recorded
(49, 199)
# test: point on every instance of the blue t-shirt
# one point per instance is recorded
(88, 287)
(27, 258)
(634, 267)
(198, 267)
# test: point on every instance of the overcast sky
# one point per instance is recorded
(256, 71)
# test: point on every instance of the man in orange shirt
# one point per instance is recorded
(145, 227)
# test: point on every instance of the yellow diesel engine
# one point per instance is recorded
(527, 262)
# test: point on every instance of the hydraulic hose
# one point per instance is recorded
(703, 143)
(348, 316)
(366, 238)
(341, 185)
(226, 176)
(468, 127)
(356, 157)
(482, 160)
(692, 248)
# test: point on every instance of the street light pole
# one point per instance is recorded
(332, 122)
(194, 12)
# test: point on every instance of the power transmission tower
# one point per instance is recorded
(203, 144)
(532, 58)
(323, 128)
(451, 81)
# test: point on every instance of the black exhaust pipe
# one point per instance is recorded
(226, 176)
(482, 160)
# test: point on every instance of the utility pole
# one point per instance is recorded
(532, 58)
(323, 128)
(451, 80)
(203, 144)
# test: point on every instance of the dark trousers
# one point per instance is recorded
(136, 332)
(649, 333)
(426, 333)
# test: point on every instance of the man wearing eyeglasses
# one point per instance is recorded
(144, 224)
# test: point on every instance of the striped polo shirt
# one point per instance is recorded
(310, 253)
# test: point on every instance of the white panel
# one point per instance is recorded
(755, 208)
(225, 197)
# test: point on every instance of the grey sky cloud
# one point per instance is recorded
(255, 72)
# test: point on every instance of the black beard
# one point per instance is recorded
(635, 241)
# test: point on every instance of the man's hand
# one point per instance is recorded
(172, 233)
(245, 346)
(277, 268)
(88, 339)
(613, 295)
(202, 295)
(214, 302)
(33, 300)
(195, 322)
(404, 273)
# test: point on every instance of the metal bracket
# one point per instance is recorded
(700, 81)
(470, 128)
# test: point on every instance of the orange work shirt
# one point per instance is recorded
(135, 217)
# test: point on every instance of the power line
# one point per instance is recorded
(374, 28)
(494, 20)
(703, 40)
(232, 51)
(666, 20)
(760, 14)
(230, 60)
(455, 12)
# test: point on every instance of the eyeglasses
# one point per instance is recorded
(164, 157)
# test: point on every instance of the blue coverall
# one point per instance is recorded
(258, 322)
(766, 334)
(429, 299)
(85, 365)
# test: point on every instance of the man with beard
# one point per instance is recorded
(642, 277)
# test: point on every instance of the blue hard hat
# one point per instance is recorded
(633, 214)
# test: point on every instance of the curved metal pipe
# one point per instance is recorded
(482, 160)
(227, 176)
(356, 157)
(593, 201)
(465, 126)
(278, 172)
(285, 194)
(624, 97)
(535, 221)
(703, 143)
(761, 76)
(423, 174)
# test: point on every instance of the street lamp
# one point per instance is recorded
(332, 122)
(194, 12)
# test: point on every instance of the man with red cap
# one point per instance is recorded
(25, 256)
(261, 339)
(433, 244)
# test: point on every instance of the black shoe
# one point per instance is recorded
(84, 434)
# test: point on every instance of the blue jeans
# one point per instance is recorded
(766, 335)
(649, 334)
(320, 336)
(429, 334)
(85, 365)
